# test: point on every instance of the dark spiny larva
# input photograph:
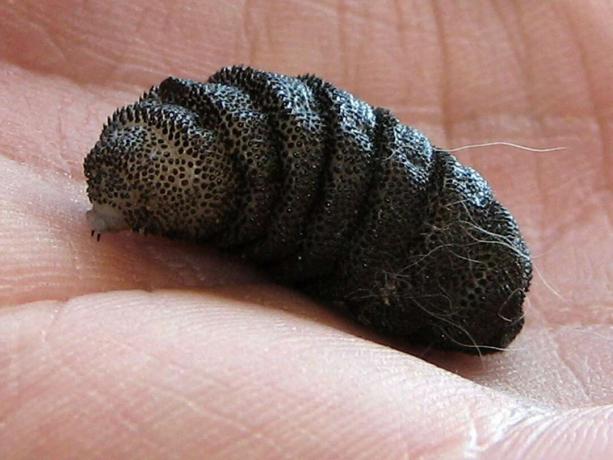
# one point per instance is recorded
(329, 194)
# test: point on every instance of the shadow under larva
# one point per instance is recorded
(329, 194)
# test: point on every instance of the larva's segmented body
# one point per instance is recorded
(328, 193)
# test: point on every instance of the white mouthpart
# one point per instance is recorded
(103, 218)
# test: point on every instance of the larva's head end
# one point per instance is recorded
(155, 170)
(103, 218)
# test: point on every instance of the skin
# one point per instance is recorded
(141, 347)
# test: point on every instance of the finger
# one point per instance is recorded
(211, 375)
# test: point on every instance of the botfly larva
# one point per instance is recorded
(329, 194)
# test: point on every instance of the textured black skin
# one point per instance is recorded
(329, 194)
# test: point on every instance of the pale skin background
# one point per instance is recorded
(141, 347)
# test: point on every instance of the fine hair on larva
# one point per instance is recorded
(329, 194)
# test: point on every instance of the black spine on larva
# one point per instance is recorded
(342, 200)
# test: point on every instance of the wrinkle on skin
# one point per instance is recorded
(226, 364)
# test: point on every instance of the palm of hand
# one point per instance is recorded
(215, 360)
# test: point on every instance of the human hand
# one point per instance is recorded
(142, 347)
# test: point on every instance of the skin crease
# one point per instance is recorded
(144, 348)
